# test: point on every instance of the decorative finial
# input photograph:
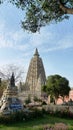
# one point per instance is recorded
(12, 80)
(36, 52)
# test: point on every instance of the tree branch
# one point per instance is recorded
(65, 9)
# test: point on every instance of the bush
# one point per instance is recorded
(37, 99)
(44, 103)
(28, 100)
(20, 116)
(37, 113)
(12, 118)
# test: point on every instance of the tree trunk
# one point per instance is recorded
(55, 100)
(63, 99)
(65, 9)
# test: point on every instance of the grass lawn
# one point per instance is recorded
(37, 123)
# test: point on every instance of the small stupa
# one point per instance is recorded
(9, 101)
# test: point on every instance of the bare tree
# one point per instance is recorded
(6, 72)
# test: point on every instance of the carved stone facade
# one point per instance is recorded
(35, 77)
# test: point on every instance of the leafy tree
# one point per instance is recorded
(39, 13)
(56, 86)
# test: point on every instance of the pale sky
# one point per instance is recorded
(54, 43)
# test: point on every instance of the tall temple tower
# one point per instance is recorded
(36, 75)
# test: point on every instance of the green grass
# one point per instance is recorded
(36, 124)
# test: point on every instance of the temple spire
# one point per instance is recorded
(12, 80)
(36, 77)
(36, 52)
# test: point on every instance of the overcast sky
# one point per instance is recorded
(54, 43)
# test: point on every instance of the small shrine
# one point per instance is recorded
(10, 102)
